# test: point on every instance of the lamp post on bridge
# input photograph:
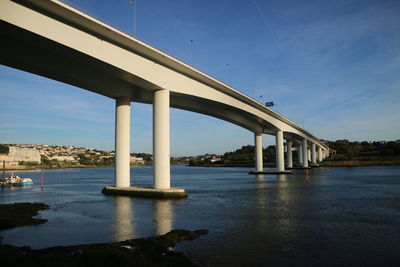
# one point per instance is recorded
(133, 2)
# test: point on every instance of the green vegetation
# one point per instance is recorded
(363, 153)
(28, 163)
(146, 157)
(344, 153)
(4, 149)
(346, 150)
(245, 155)
(95, 160)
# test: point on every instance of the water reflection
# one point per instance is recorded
(123, 219)
(261, 196)
(284, 192)
(288, 198)
(163, 216)
(260, 182)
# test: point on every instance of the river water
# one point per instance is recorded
(333, 216)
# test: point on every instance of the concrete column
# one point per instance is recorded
(280, 160)
(122, 141)
(305, 153)
(309, 154)
(300, 153)
(319, 154)
(258, 151)
(289, 154)
(313, 154)
(161, 164)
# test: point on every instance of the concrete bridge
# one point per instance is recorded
(54, 40)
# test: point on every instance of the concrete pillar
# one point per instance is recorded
(258, 152)
(161, 164)
(280, 160)
(305, 153)
(313, 154)
(300, 154)
(309, 154)
(289, 154)
(319, 154)
(122, 141)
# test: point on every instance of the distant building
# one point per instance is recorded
(63, 158)
(17, 154)
(215, 159)
(135, 160)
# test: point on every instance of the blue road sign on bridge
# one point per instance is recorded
(269, 104)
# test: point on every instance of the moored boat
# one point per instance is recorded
(15, 180)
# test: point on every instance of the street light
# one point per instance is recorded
(133, 2)
(229, 73)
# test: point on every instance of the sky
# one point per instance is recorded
(331, 66)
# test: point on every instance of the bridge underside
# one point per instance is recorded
(27, 51)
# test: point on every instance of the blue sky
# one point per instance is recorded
(333, 67)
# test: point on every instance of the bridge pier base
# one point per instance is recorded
(259, 156)
(161, 143)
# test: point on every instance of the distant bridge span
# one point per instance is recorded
(54, 40)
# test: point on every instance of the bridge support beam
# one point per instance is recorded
(319, 154)
(300, 153)
(313, 154)
(280, 160)
(122, 142)
(160, 152)
(289, 154)
(258, 152)
(305, 153)
(161, 161)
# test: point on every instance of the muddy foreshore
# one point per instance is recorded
(153, 251)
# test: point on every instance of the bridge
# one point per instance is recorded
(54, 40)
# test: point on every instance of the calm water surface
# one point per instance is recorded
(335, 216)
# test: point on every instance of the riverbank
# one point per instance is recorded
(20, 214)
(47, 167)
(153, 251)
(358, 163)
(343, 163)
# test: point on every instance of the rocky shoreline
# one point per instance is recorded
(153, 251)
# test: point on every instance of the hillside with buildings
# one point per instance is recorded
(28, 156)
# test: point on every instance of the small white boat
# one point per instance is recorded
(15, 180)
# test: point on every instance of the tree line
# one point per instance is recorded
(341, 150)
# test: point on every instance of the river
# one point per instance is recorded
(333, 216)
